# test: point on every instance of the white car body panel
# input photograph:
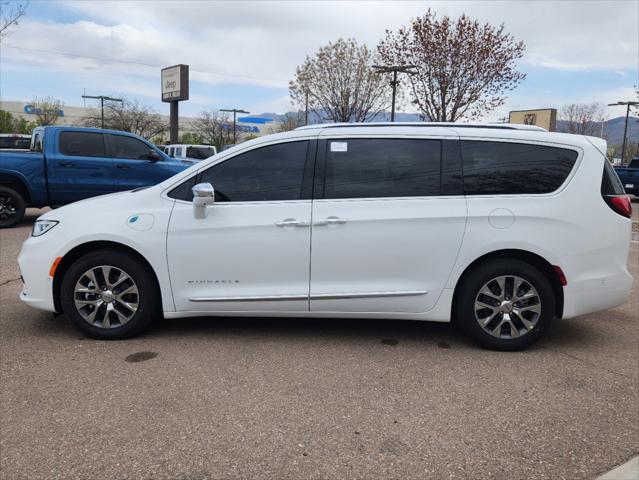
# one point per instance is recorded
(393, 258)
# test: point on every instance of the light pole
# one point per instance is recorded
(625, 128)
(102, 98)
(394, 69)
(235, 112)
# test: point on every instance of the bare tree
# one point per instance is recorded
(47, 110)
(128, 116)
(291, 121)
(583, 118)
(10, 14)
(214, 127)
(463, 68)
(339, 82)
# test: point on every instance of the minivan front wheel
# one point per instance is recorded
(506, 304)
(109, 295)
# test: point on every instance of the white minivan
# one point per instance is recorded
(501, 228)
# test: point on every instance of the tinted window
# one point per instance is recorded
(494, 168)
(268, 173)
(82, 144)
(610, 183)
(129, 147)
(364, 168)
(37, 143)
(199, 153)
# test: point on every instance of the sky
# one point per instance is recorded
(242, 54)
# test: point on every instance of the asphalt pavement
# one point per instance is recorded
(213, 398)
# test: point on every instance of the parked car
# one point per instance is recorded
(66, 164)
(193, 152)
(629, 176)
(14, 141)
(498, 228)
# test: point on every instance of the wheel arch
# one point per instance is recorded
(531, 258)
(17, 184)
(79, 250)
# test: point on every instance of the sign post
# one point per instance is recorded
(175, 88)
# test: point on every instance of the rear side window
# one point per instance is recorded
(82, 144)
(199, 153)
(382, 167)
(610, 183)
(499, 168)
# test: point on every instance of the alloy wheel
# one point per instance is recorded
(106, 296)
(7, 207)
(507, 307)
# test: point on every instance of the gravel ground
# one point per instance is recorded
(304, 399)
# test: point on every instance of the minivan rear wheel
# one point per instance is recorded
(110, 295)
(505, 304)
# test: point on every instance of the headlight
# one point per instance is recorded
(40, 227)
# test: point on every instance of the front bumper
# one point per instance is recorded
(35, 260)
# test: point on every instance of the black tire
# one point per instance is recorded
(12, 207)
(148, 298)
(480, 276)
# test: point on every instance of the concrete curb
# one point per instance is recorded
(627, 471)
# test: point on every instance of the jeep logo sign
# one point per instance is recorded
(175, 83)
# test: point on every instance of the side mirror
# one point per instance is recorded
(153, 155)
(203, 195)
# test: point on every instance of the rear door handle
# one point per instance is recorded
(67, 164)
(122, 166)
(291, 222)
(330, 221)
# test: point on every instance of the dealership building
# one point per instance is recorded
(76, 116)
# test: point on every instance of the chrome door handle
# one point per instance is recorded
(291, 222)
(330, 221)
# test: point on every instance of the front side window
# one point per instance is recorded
(499, 168)
(270, 173)
(129, 147)
(380, 167)
(82, 144)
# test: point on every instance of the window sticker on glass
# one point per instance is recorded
(339, 146)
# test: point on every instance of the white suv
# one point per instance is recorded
(498, 228)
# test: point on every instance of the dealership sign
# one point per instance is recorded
(33, 110)
(175, 83)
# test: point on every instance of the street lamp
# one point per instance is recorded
(235, 112)
(102, 98)
(394, 69)
(625, 129)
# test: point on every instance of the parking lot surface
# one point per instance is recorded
(289, 398)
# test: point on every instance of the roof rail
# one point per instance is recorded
(496, 126)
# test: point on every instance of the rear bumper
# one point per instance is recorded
(596, 294)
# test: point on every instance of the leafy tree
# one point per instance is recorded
(463, 69)
(128, 116)
(11, 124)
(47, 110)
(583, 118)
(192, 138)
(214, 128)
(339, 82)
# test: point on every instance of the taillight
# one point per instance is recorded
(620, 204)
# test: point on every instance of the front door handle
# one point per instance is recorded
(330, 221)
(291, 222)
(122, 166)
(67, 164)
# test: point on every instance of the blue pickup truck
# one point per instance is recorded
(629, 176)
(66, 164)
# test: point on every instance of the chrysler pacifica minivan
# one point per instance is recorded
(500, 228)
